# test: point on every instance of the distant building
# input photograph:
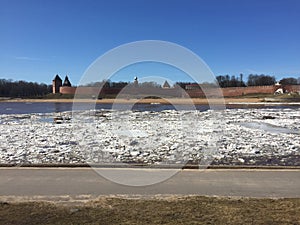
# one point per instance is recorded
(191, 90)
(166, 85)
(279, 91)
(135, 82)
(56, 84)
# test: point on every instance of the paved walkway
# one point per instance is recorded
(76, 182)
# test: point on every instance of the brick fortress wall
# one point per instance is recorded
(233, 91)
(227, 92)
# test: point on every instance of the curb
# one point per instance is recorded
(145, 166)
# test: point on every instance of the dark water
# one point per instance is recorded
(49, 107)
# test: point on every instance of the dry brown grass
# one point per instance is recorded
(184, 210)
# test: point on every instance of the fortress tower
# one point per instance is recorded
(56, 84)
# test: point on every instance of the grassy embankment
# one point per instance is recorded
(176, 210)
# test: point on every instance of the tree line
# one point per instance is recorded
(16, 89)
(222, 80)
(253, 80)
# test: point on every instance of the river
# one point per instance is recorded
(55, 107)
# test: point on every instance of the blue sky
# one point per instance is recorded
(39, 39)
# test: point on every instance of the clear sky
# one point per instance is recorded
(39, 39)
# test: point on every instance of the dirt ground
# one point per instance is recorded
(175, 210)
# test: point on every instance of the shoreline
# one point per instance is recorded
(148, 166)
(196, 101)
(168, 101)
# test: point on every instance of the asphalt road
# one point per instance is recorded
(86, 183)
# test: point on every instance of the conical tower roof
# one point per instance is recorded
(67, 82)
(57, 77)
(166, 85)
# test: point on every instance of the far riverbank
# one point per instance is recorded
(196, 101)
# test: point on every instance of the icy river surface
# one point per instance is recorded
(250, 136)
